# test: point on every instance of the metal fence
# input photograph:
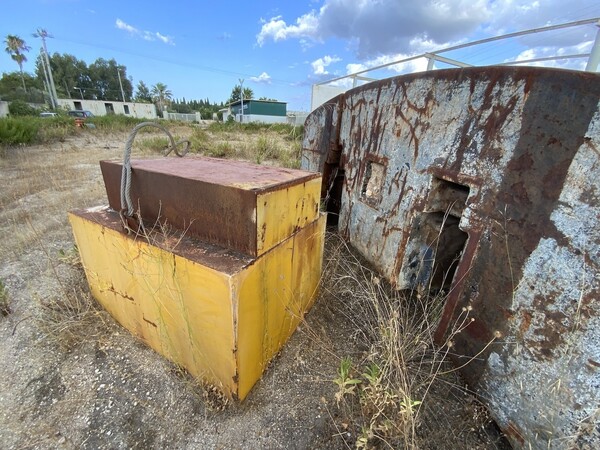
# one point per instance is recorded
(452, 57)
(182, 117)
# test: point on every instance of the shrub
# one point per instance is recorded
(116, 122)
(20, 108)
(220, 150)
(198, 138)
(14, 131)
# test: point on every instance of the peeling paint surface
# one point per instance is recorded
(487, 186)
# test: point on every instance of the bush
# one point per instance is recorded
(20, 108)
(116, 122)
(220, 150)
(14, 131)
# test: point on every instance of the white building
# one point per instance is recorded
(106, 107)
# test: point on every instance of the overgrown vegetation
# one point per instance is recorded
(38, 130)
(20, 108)
(383, 395)
(15, 131)
(278, 144)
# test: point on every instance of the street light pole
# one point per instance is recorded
(242, 98)
(80, 91)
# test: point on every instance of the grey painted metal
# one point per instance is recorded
(489, 176)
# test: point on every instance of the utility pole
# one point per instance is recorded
(47, 82)
(121, 84)
(242, 99)
(41, 33)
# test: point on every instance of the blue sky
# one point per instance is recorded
(200, 49)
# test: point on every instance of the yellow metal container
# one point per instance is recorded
(217, 312)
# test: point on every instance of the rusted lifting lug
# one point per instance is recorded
(131, 224)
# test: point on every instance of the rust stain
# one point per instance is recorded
(513, 432)
(525, 323)
(150, 322)
(120, 294)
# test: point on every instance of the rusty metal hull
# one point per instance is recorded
(485, 182)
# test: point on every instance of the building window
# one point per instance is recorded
(126, 109)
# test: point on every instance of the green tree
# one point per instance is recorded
(11, 88)
(142, 93)
(236, 91)
(16, 48)
(161, 95)
(71, 75)
(104, 76)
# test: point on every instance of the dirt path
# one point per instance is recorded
(71, 378)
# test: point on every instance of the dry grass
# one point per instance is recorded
(386, 395)
(4, 301)
(68, 316)
(260, 144)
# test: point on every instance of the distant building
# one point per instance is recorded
(104, 107)
(265, 111)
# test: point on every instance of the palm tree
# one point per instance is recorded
(161, 95)
(16, 48)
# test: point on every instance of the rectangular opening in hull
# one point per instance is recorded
(445, 206)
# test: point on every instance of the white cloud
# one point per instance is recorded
(262, 78)
(381, 27)
(320, 64)
(124, 26)
(165, 39)
(415, 65)
(544, 52)
(389, 27)
(277, 30)
(146, 35)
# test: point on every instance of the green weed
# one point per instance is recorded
(4, 302)
(346, 384)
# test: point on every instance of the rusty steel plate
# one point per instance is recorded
(209, 198)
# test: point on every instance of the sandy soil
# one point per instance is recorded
(94, 386)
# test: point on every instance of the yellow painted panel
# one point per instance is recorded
(273, 295)
(281, 213)
(180, 308)
(223, 328)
